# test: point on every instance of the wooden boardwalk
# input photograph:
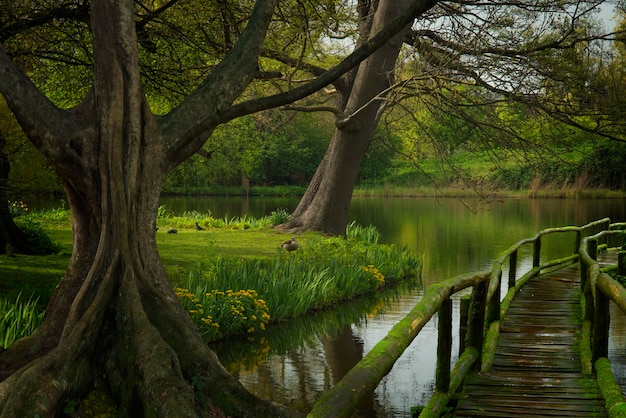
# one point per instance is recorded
(536, 370)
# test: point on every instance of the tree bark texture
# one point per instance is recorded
(114, 316)
(325, 203)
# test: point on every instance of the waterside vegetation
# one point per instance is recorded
(232, 276)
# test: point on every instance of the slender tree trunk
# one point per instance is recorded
(325, 203)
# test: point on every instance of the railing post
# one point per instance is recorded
(512, 269)
(464, 307)
(621, 263)
(476, 320)
(605, 227)
(444, 346)
(578, 241)
(592, 248)
(601, 322)
(537, 252)
(493, 309)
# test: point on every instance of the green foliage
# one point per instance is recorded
(19, 318)
(31, 223)
(513, 178)
(379, 160)
(17, 208)
(367, 234)
(267, 149)
(220, 314)
(38, 240)
(323, 272)
(29, 173)
(52, 217)
(280, 216)
(416, 411)
(605, 165)
(234, 295)
(284, 190)
(163, 212)
(189, 219)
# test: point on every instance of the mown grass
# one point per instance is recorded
(233, 276)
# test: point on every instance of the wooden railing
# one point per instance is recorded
(598, 288)
(482, 312)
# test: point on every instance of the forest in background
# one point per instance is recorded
(280, 148)
(457, 138)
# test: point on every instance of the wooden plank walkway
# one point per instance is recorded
(536, 370)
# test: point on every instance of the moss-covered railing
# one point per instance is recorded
(598, 289)
(481, 313)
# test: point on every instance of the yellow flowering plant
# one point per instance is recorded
(375, 277)
(222, 314)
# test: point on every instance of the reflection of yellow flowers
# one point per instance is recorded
(376, 309)
(376, 274)
(257, 352)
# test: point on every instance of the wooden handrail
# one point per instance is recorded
(598, 289)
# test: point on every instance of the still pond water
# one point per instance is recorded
(296, 362)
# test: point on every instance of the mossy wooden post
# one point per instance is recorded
(444, 346)
(604, 239)
(590, 310)
(592, 248)
(537, 252)
(621, 263)
(584, 274)
(476, 320)
(464, 306)
(600, 332)
(493, 308)
(601, 322)
(512, 269)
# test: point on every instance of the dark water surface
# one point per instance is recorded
(296, 362)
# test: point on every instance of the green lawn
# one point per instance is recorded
(179, 252)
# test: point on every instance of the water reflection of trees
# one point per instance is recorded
(617, 345)
(296, 361)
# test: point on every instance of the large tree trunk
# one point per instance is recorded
(114, 317)
(325, 204)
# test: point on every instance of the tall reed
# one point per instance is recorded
(19, 318)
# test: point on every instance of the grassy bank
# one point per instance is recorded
(232, 276)
(410, 187)
(539, 192)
